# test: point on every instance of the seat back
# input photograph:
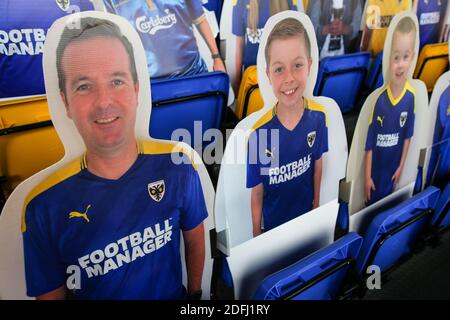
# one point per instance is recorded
(393, 233)
(179, 103)
(432, 63)
(341, 77)
(375, 76)
(441, 217)
(249, 98)
(28, 141)
(319, 276)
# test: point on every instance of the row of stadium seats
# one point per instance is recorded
(340, 270)
(178, 103)
(343, 78)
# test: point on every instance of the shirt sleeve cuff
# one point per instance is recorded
(199, 19)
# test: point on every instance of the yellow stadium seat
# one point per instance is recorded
(28, 141)
(432, 63)
(249, 98)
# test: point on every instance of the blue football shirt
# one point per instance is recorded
(166, 30)
(283, 161)
(23, 28)
(439, 167)
(240, 27)
(430, 14)
(391, 123)
(123, 235)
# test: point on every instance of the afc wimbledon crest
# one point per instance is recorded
(63, 4)
(403, 117)
(311, 138)
(156, 190)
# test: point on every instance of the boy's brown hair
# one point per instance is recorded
(405, 26)
(286, 29)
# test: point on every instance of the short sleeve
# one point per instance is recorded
(322, 136)
(370, 141)
(195, 8)
(194, 207)
(411, 119)
(239, 23)
(253, 164)
(43, 271)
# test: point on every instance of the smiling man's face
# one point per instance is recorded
(100, 94)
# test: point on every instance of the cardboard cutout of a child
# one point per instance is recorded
(282, 165)
(390, 131)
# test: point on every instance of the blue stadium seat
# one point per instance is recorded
(319, 276)
(341, 77)
(342, 221)
(178, 103)
(394, 232)
(441, 217)
(419, 179)
(225, 273)
(375, 76)
(437, 174)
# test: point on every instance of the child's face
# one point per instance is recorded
(402, 54)
(288, 69)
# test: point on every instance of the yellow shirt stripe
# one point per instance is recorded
(264, 119)
(311, 105)
(158, 147)
(60, 175)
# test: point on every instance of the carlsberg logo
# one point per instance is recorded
(154, 24)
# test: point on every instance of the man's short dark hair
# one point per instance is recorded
(90, 28)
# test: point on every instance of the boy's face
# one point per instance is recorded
(402, 54)
(288, 69)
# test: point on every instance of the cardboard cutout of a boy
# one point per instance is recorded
(311, 118)
(390, 131)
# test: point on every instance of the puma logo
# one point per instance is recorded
(380, 119)
(75, 214)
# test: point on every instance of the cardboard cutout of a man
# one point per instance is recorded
(116, 212)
